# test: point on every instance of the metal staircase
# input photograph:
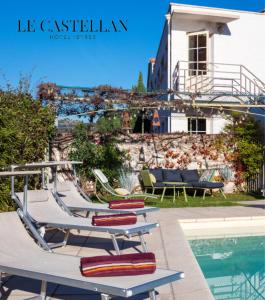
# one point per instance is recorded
(218, 78)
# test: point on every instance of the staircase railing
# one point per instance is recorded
(251, 288)
(217, 78)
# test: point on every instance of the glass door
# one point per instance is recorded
(198, 53)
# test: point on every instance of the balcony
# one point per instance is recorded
(217, 79)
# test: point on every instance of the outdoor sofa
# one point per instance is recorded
(164, 179)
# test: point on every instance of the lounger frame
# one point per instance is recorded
(15, 265)
(103, 181)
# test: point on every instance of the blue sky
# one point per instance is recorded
(112, 58)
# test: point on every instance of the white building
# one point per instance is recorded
(210, 52)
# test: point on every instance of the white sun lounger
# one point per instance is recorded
(42, 212)
(69, 194)
(20, 256)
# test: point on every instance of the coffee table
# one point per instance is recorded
(175, 184)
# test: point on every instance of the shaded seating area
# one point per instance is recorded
(177, 180)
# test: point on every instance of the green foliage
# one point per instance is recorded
(247, 137)
(108, 126)
(25, 130)
(105, 156)
(140, 87)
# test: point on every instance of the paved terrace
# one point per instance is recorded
(168, 242)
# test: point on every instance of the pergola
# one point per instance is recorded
(82, 101)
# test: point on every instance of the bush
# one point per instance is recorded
(246, 135)
(25, 130)
(105, 155)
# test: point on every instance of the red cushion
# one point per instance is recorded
(118, 265)
(114, 220)
(126, 204)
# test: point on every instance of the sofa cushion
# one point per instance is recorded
(122, 192)
(172, 175)
(158, 174)
(214, 185)
(207, 185)
(152, 177)
(190, 175)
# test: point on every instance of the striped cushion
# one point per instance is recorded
(114, 220)
(118, 265)
(126, 204)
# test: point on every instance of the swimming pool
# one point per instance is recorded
(233, 267)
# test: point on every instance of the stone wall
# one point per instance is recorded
(212, 155)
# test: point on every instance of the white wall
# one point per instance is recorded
(242, 43)
(160, 82)
(179, 122)
(214, 124)
(219, 124)
(245, 45)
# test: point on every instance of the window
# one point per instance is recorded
(197, 125)
(198, 53)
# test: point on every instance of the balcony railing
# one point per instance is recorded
(217, 78)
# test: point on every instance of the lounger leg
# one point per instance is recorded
(163, 194)
(145, 217)
(87, 214)
(115, 244)
(204, 192)
(222, 192)
(152, 295)
(43, 290)
(185, 194)
(143, 242)
(105, 297)
(42, 295)
(66, 237)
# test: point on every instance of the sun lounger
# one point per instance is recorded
(68, 194)
(104, 182)
(43, 212)
(20, 256)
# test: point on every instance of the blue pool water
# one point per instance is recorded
(233, 267)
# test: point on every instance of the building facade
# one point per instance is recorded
(215, 53)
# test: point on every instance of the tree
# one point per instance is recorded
(104, 155)
(139, 88)
(246, 135)
(25, 130)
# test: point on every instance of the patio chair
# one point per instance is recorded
(103, 180)
(69, 193)
(21, 256)
(39, 211)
